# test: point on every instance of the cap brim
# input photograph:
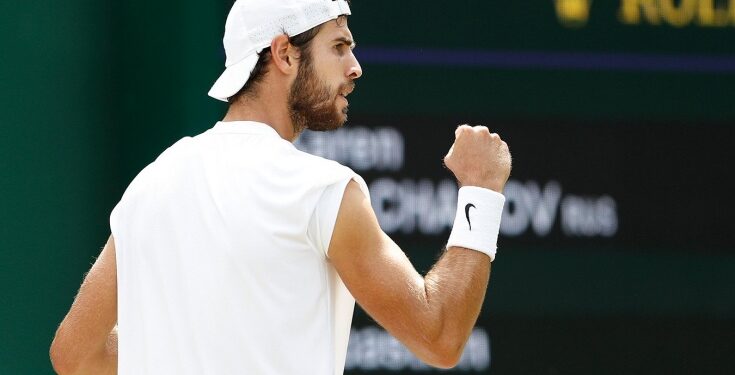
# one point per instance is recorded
(233, 78)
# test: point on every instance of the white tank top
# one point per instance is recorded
(222, 259)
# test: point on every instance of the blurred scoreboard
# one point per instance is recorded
(572, 185)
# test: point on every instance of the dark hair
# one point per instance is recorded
(301, 41)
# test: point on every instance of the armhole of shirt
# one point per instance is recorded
(325, 214)
(114, 220)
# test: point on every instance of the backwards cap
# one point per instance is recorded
(252, 25)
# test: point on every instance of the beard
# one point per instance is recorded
(312, 103)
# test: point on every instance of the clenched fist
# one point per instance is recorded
(479, 158)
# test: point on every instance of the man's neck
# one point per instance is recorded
(264, 111)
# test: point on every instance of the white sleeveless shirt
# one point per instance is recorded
(222, 259)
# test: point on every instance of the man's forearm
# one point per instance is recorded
(455, 290)
(86, 341)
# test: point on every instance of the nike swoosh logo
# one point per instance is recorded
(467, 213)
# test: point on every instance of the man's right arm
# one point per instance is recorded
(432, 315)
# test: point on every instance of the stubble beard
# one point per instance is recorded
(312, 105)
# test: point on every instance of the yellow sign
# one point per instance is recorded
(675, 13)
(573, 13)
(709, 13)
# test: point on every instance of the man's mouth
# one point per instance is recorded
(347, 90)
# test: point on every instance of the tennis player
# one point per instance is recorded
(235, 253)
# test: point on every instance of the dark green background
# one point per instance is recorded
(91, 91)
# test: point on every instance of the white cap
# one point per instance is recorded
(251, 27)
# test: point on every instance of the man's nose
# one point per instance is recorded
(355, 70)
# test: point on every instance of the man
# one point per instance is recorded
(235, 253)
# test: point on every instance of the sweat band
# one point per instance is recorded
(477, 222)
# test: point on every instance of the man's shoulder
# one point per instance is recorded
(325, 171)
(318, 161)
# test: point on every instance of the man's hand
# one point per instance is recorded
(479, 158)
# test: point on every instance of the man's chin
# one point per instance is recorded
(338, 120)
(327, 127)
(343, 115)
(342, 118)
(333, 124)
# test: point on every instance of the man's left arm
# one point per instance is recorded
(86, 340)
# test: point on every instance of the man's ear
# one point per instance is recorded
(284, 55)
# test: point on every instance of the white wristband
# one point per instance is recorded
(477, 222)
